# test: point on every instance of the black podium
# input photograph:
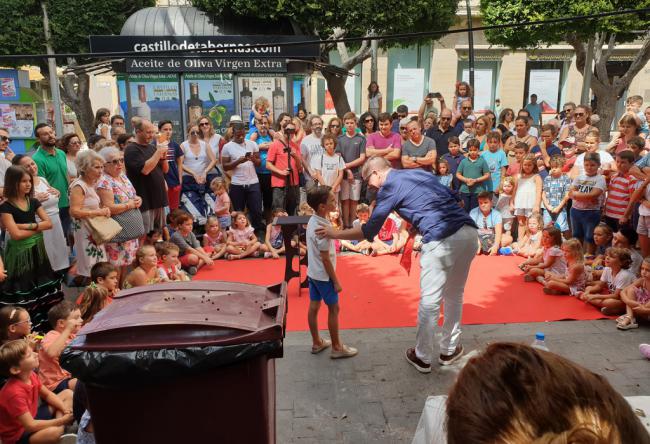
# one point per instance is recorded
(292, 226)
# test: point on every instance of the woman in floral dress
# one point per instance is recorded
(117, 193)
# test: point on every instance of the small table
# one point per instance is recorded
(292, 225)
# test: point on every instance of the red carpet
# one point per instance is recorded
(377, 293)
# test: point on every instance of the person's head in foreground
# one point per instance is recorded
(514, 393)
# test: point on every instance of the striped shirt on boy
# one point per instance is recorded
(619, 191)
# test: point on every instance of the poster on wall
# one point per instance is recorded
(122, 97)
(210, 95)
(273, 89)
(9, 88)
(18, 119)
(350, 91)
(298, 94)
(156, 97)
(482, 88)
(546, 84)
(408, 88)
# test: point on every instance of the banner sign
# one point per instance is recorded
(205, 64)
(230, 46)
(156, 97)
(211, 95)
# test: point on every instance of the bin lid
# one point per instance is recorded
(182, 314)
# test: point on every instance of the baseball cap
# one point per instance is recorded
(235, 118)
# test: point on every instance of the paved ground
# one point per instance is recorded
(377, 397)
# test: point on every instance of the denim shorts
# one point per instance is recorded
(561, 220)
(583, 223)
(323, 291)
(225, 221)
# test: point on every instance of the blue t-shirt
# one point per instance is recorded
(535, 112)
(552, 150)
(495, 162)
(420, 199)
(263, 153)
(485, 222)
(174, 151)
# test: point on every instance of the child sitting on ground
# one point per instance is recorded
(637, 299)
(21, 418)
(489, 225)
(242, 241)
(606, 292)
(626, 238)
(145, 271)
(551, 259)
(215, 238)
(321, 272)
(221, 202)
(171, 221)
(531, 242)
(603, 236)
(169, 269)
(193, 256)
(363, 246)
(15, 323)
(93, 300)
(575, 279)
(274, 240)
(103, 274)
(65, 319)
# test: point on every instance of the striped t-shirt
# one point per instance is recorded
(619, 192)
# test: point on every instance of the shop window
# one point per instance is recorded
(408, 76)
(486, 74)
(545, 78)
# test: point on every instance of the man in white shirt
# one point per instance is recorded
(241, 156)
(309, 149)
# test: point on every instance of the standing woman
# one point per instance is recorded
(116, 193)
(367, 123)
(628, 127)
(198, 159)
(506, 123)
(70, 144)
(54, 239)
(374, 99)
(579, 128)
(214, 141)
(482, 129)
(103, 123)
(520, 135)
(31, 283)
(84, 204)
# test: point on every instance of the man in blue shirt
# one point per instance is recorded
(449, 240)
(535, 110)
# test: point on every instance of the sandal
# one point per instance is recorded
(627, 323)
(529, 278)
(325, 343)
(551, 291)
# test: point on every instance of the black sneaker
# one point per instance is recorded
(450, 359)
(420, 366)
(192, 270)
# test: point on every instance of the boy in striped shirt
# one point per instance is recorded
(620, 190)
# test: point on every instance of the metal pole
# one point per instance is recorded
(586, 73)
(470, 41)
(54, 81)
(374, 46)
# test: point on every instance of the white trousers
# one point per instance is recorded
(444, 269)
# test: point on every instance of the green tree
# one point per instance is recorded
(602, 34)
(71, 22)
(330, 19)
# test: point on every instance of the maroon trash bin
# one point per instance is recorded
(185, 362)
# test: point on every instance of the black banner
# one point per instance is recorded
(205, 64)
(219, 46)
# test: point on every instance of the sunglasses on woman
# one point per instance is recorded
(116, 161)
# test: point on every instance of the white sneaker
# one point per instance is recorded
(68, 438)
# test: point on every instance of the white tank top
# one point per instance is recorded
(197, 163)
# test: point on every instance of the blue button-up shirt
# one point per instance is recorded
(420, 199)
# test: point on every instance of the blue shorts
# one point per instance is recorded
(561, 221)
(63, 385)
(583, 223)
(42, 414)
(323, 291)
(225, 221)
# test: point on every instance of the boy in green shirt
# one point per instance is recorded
(473, 172)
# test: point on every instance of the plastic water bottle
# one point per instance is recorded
(540, 342)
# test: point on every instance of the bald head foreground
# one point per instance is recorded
(449, 240)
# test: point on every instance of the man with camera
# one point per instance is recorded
(285, 163)
(429, 107)
(241, 156)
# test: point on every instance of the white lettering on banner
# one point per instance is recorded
(146, 63)
(267, 64)
(234, 65)
(199, 63)
(165, 45)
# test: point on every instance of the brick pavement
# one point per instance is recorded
(377, 397)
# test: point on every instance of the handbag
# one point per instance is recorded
(131, 223)
(102, 228)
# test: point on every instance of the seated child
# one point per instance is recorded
(65, 319)
(146, 268)
(215, 237)
(274, 239)
(15, 323)
(242, 241)
(103, 274)
(153, 236)
(603, 236)
(363, 246)
(169, 269)
(606, 292)
(531, 243)
(21, 418)
(93, 300)
(637, 299)
(193, 256)
(388, 237)
(551, 258)
(626, 237)
(489, 224)
(575, 279)
(221, 203)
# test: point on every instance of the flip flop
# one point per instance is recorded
(325, 343)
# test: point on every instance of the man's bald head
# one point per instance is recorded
(375, 163)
